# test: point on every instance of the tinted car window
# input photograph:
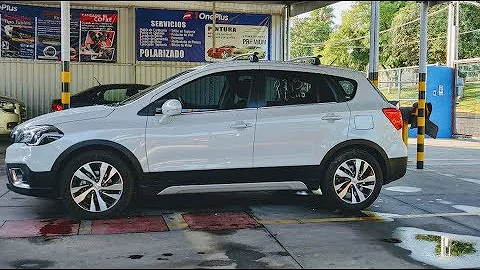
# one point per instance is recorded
(220, 91)
(115, 95)
(347, 87)
(290, 88)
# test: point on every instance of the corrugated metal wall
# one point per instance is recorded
(37, 82)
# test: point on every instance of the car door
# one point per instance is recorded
(214, 131)
(299, 119)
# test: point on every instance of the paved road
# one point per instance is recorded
(264, 229)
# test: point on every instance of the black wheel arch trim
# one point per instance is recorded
(355, 143)
(105, 143)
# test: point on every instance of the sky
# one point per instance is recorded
(338, 8)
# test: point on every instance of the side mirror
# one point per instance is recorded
(171, 107)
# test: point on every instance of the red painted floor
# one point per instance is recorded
(32, 228)
(59, 227)
(129, 225)
(219, 221)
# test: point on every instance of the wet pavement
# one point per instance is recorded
(429, 218)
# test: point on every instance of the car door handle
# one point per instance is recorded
(241, 125)
(331, 118)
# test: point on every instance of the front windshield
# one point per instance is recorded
(153, 87)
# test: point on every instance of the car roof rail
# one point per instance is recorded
(253, 57)
(314, 59)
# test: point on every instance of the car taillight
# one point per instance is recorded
(57, 107)
(395, 117)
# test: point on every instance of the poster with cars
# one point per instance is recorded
(17, 24)
(34, 32)
(49, 35)
(182, 35)
(98, 40)
(233, 40)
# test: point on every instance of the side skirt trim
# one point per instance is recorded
(292, 185)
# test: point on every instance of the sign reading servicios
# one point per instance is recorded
(187, 36)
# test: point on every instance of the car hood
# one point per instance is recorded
(69, 115)
(9, 99)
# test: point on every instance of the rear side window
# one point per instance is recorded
(347, 87)
(115, 95)
(282, 88)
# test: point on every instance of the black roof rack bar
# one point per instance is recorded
(314, 59)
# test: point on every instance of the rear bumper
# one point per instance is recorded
(37, 184)
(396, 169)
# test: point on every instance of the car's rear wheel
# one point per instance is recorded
(96, 184)
(353, 180)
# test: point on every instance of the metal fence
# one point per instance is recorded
(468, 102)
(399, 84)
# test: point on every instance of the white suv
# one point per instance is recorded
(229, 126)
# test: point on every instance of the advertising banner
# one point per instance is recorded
(17, 31)
(187, 36)
(98, 36)
(34, 32)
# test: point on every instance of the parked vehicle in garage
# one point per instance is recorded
(313, 128)
(101, 94)
(12, 112)
(222, 52)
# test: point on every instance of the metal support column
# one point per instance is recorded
(214, 27)
(287, 34)
(65, 47)
(422, 76)
(451, 36)
(374, 42)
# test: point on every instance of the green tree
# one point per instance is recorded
(402, 46)
(309, 32)
(349, 45)
(468, 45)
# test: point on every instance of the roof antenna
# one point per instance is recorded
(333, 61)
(97, 80)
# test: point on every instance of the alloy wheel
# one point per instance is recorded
(354, 181)
(96, 186)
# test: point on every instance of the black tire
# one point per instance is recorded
(351, 200)
(124, 176)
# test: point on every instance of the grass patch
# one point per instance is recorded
(458, 248)
(470, 102)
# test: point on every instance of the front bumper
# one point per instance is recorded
(8, 121)
(24, 181)
(396, 169)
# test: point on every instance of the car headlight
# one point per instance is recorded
(36, 135)
(7, 106)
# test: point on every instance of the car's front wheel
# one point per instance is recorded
(353, 180)
(96, 184)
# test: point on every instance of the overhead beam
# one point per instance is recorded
(300, 7)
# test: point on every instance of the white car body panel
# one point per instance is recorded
(201, 140)
(297, 135)
(186, 144)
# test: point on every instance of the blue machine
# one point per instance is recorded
(440, 93)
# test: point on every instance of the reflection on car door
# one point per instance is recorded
(214, 131)
(299, 119)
